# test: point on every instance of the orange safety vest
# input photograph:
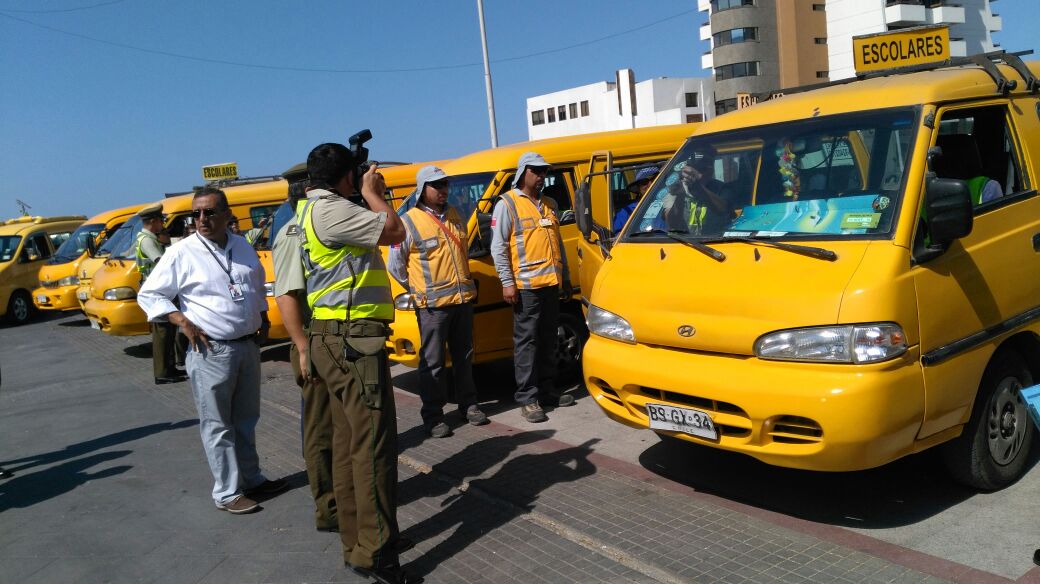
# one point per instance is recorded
(534, 246)
(438, 264)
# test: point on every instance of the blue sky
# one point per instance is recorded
(88, 125)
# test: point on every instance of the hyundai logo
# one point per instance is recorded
(687, 331)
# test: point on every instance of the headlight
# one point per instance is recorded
(404, 301)
(862, 343)
(268, 288)
(121, 293)
(607, 324)
(69, 281)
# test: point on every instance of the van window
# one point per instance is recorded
(59, 239)
(978, 147)
(258, 214)
(464, 191)
(8, 247)
(835, 176)
(37, 244)
(120, 238)
(75, 245)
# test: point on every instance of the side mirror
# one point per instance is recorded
(91, 247)
(482, 244)
(948, 210)
(31, 255)
(582, 211)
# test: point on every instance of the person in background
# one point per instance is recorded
(219, 281)
(149, 247)
(530, 261)
(433, 265)
(290, 293)
(639, 186)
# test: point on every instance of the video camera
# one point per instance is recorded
(357, 148)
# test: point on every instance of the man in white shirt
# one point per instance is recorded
(220, 283)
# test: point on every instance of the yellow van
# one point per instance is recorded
(838, 278)
(59, 276)
(477, 182)
(112, 306)
(25, 244)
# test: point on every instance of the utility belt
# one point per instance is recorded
(363, 354)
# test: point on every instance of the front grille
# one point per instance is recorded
(608, 392)
(49, 284)
(707, 405)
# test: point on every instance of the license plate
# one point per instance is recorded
(686, 420)
(83, 296)
(94, 324)
(41, 299)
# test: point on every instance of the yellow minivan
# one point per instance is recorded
(112, 306)
(25, 243)
(838, 278)
(477, 182)
(59, 276)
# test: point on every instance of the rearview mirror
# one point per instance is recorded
(948, 210)
(91, 247)
(582, 213)
(481, 245)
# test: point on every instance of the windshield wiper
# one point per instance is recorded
(704, 249)
(806, 250)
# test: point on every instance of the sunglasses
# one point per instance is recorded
(200, 213)
(539, 170)
(438, 184)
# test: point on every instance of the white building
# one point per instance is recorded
(972, 24)
(600, 107)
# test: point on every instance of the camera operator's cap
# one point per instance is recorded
(151, 212)
(646, 174)
(297, 173)
(427, 174)
(526, 160)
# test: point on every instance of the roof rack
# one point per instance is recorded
(987, 61)
(236, 182)
(37, 219)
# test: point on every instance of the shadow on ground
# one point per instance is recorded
(141, 351)
(901, 493)
(35, 487)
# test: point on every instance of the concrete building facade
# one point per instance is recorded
(618, 105)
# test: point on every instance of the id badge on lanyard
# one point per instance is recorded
(235, 290)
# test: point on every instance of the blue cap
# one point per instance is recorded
(427, 174)
(647, 173)
(528, 159)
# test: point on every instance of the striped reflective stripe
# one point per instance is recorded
(518, 237)
(424, 255)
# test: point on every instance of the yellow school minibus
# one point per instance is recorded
(112, 306)
(59, 276)
(25, 243)
(479, 179)
(838, 278)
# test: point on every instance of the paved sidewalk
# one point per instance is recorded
(111, 486)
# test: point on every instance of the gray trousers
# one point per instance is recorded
(535, 318)
(451, 325)
(225, 380)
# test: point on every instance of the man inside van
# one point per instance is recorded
(529, 258)
(700, 204)
(148, 248)
(644, 177)
(432, 263)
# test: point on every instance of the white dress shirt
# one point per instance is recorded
(195, 270)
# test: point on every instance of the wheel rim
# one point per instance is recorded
(21, 309)
(1006, 422)
(568, 346)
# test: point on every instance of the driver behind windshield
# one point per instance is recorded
(697, 203)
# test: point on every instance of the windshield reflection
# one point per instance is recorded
(832, 177)
(76, 244)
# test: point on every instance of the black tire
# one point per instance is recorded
(20, 307)
(994, 448)
(571, 335)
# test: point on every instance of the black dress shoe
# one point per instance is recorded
(165, 380)
(328, 528)
(387, 574)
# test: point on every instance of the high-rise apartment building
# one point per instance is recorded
(761, 46)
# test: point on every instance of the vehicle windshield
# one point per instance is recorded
(281, 217)
(464, 192)
(124, 248)
(836, 177)
(76, 244)
(8, 247)
(117, 239)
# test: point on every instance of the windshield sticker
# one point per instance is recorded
(881, 203)
(737, 234)
(860, 220)
(814, 216)
(771, 234)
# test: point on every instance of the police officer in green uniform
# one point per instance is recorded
(290, 293)
(348, 291)
(148, 250)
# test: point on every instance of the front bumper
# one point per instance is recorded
(814, 416)
(121, 318)
(60, 298)
(403, 345)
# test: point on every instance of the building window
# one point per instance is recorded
(821, 40)
(822, 74)
(572, 109)
(819, 8)
(735, 35)
(561, 112)
(551, 113)
(584, 108)
(692, 118)
(725, 105)
(537, 118)
(719, 5)
(691, 99)
(734, 70)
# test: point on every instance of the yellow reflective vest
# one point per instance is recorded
(534, 246)
(345, 283)
(438, 263)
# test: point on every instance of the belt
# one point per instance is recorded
(242, 338)
(355, 328)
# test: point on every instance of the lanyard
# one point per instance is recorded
(443, 227)
(227, 270)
